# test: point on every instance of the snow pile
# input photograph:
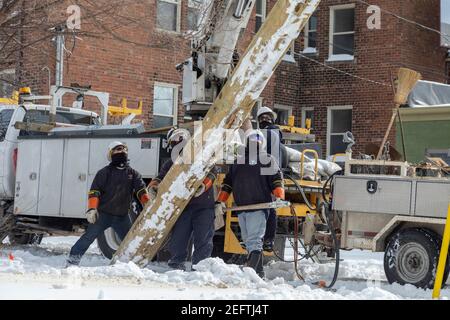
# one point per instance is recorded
(40, 270)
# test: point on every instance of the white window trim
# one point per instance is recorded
(303, 122)
(338, 57)
(175, 100)
(290, 57)
(283, 107)
(307, 48)
(191, 6)
(263, 15)
(178, 3)
(329, 109)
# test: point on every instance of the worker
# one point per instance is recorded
(266, 121)
(197, 219)
(110, 199)
(247, 180)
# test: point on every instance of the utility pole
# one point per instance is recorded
(229, 110)
(59, 56)
(59, 69)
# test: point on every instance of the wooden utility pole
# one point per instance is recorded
(232, 106)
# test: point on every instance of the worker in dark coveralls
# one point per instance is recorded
(252, 181)
(272, 133)
(197, 219)
(109, 200)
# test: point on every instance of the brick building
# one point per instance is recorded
(338, 72)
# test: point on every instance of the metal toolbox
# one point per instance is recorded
(54, 174)
(425, 197)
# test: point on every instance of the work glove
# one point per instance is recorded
(219, 221)
(153, 187)
(92, 215)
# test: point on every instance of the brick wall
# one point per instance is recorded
(129, 69)
(378, 53)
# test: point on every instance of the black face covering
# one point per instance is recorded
(265, 124)
(119, 159)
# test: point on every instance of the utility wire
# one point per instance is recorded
(446, 36)
(342, 71)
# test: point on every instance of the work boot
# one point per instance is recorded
(268, 245)
(72, 261)
(177, 266)
(254, 261)
(260, 267)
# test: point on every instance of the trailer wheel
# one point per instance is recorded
(25, 238)
(108, 242)
(411, 257)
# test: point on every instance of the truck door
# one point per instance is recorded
(75, 178)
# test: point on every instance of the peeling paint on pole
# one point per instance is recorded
(232, 106)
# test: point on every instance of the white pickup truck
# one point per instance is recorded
(45, 177)
(28, 112)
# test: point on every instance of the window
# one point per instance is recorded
(289, 56)
(43, 116)
(261, 6)
(7, 78)
(342, 32)
(339, 122)
(311, 35)
(193, 16)
(168, 15)
(5, 119)
(307, 113)
(165, 105)
(283, 113)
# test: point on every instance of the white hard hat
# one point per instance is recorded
(265, 110)
(114, 145)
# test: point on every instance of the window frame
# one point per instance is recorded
(306, 31)
(285, 108)
(263, 14)
(331, 55)
(190, 6)
(178, 17)
(329, 123)
(290, 57)
(175, 88)
(303, 115)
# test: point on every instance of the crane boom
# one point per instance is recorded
(213, 52)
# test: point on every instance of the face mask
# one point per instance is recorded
(264, 124)
(119, 159)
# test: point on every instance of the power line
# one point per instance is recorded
(343, 72)
(446, 36)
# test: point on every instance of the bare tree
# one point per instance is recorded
(31, 25)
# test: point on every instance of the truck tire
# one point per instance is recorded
(411, 257)
(25, 238)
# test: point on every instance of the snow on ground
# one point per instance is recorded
(37, 272)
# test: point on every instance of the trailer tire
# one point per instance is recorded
(108, 242)
(25, 238)
(411, 257)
